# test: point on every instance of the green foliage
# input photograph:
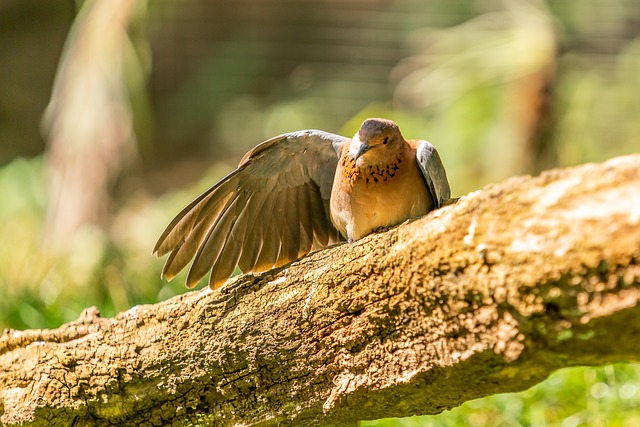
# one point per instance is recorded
(604, 396)
(112, 269)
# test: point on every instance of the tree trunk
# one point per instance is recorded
(485, 296)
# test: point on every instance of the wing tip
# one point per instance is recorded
(190, 284)
(193, 279)
(160, 249)
(217, 282)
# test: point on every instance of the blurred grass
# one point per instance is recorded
(111, 268)
(606, 396)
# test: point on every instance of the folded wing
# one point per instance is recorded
(271, 210)
(433, 172)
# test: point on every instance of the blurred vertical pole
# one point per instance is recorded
(88, 122)
(490, 80)
(529, 92)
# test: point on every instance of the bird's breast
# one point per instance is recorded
(367, 197)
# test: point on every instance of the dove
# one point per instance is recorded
(299, 192)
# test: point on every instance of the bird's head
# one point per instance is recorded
(376, 141)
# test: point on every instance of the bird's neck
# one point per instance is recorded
(371, 172)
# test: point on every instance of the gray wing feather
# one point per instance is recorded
(433, 172)
(269, 211)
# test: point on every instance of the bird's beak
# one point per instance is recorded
(364, 147)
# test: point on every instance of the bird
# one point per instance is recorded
(299, 192)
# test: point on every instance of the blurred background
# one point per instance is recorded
(116, 113)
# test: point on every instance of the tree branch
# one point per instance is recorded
(488, 295)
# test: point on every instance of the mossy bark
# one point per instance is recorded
(488, 295)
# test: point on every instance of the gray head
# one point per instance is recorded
(371, 128)
(379, 138)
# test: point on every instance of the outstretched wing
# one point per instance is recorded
(271, 210)
(433, 172)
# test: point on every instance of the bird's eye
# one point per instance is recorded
(386, 140)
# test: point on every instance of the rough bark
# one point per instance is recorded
(488, 295)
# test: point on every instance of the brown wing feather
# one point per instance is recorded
(186, 248)
(269, 211)
(255, 237)
(271, 243)
(185, 220)
(225, 263)
(290, 235)
(211, 246)
(306, 226)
